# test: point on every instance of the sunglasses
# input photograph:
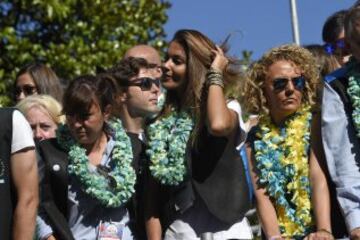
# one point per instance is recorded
(144, 83)
(26, 89)
(332, 48)
(279, 84)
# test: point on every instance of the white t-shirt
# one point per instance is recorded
(22, 136)
(241, 137)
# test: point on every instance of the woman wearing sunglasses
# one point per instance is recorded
(333, 35)
(89, 177)
(37, 78)
(283, 149)
(198, 184)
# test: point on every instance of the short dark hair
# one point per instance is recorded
(85, 89)
(126, 69)
(333, 26)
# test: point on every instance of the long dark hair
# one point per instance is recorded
(45, 79)
(199, 56)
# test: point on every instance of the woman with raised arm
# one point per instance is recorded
(197, 180)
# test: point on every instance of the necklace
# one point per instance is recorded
(281, 156)
(354, 92)
(168, 138)
(111, 187)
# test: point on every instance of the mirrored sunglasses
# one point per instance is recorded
(279, 84)
(332, 48)
(145, 83)
(26, 89)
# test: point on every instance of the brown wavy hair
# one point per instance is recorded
(45, 79)
(253, 97)
(199, 56)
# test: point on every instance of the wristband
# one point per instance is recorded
(214, 77)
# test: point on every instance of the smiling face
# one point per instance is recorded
(286, 101)
(41, 123)
(175, 76)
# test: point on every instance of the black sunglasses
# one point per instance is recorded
(279, 84)
(144, 83)
(26, 89)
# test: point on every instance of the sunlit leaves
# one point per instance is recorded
(74, 36)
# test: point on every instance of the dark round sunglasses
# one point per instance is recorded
(26, 89)
(145, 83)
(279, 84)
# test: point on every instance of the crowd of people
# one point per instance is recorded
(182, 149)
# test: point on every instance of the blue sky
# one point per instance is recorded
(257, 25)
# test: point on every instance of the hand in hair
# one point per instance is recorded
(220, 60)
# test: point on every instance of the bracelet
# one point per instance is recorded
(214, 71)
(219, 83)
(214, 77)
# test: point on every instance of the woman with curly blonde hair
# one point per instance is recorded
(283, 149)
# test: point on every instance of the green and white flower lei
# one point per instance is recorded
(168, 139)
(354, 92)
(118, 187)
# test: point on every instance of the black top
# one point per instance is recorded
(7, 196)
(136, 206)
(216, 174)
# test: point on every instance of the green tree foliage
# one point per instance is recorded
(246, 59)
(74, 36)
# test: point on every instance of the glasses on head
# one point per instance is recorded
(144, 83)
(279, 84)
(335, 47)
(26, 89)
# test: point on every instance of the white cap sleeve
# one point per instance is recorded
(22, 136)
(240, 139)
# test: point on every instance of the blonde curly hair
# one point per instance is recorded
(253, 96)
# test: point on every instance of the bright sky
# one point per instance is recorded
(257, 25)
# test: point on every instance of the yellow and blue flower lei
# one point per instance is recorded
(281, 157)
(354, 92)
(113, 190)
(168, 139)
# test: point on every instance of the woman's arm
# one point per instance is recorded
(151, 205)
(25, 178)
(264, 206)
(320, 199)
(320, 195)
(221, 120)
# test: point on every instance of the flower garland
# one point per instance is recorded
(281, 156)
(168, 139)
(117, 187)
(354, 92)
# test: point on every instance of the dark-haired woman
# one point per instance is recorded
(37, 78)
(89, 175)
(198, 183)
